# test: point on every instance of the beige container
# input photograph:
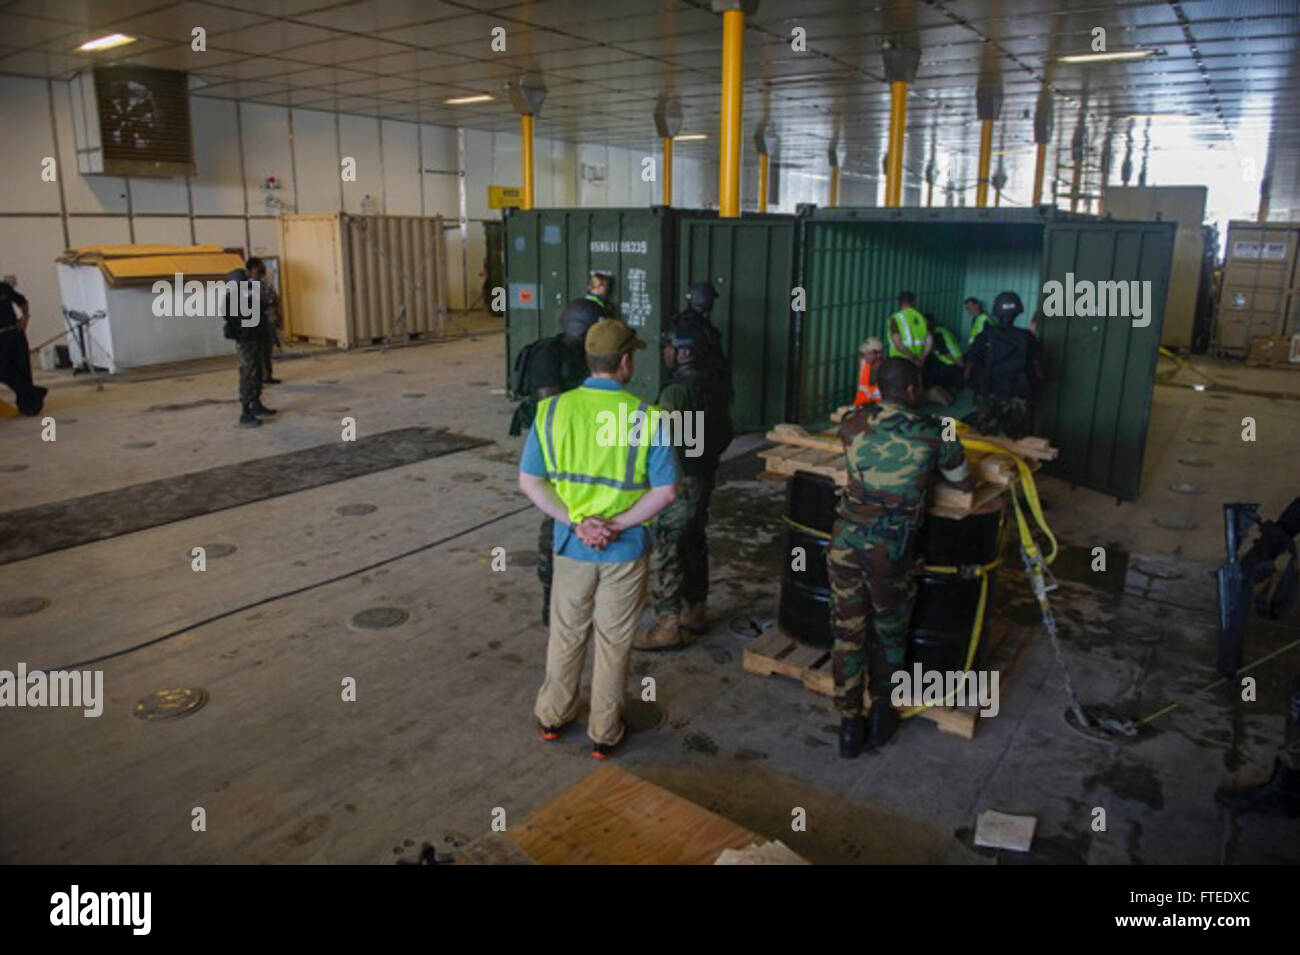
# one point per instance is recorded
(359, 280)
(1258, 296)
(1186, 206)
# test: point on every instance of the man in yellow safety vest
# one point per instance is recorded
(597, 461)
(908, 336)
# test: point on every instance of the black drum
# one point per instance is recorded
(945, 603)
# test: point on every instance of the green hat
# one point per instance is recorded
(609, 336)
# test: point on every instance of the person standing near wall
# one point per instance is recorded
(979, 319)
(601, 488)
(544, 368)
(275, 321)
(908, 336)
(697, 404)
(15, 353)
(1004, 370)
(243, 303)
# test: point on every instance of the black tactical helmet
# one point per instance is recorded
(578, 316)
(1006, 307)
(702, 296)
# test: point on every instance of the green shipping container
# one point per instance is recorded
(750, 262)
(550, 253)
(1098, 372)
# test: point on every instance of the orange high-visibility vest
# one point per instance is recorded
(866, 390)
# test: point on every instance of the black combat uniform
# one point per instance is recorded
(15, 353)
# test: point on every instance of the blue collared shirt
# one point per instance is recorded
(661, 469)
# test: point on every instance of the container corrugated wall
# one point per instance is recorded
(750, 261)
(551, 252)
(1259, 296)
(357, 280)
(1099, 372)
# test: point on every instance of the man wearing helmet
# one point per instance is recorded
(709, 353)
(695, 403)
(544, 368)
(1004, 370)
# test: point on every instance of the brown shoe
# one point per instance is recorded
(666, 634)
(695, 618)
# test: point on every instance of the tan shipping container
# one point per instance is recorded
(1186, 206)
(1258, 296)
(358, 280)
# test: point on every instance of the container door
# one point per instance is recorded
(751, 264)
(1100, 331)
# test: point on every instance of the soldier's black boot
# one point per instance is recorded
(247, 419)
(853, 735)
(260, 409)
(884, 722)
(546, 606)
(1280, 796)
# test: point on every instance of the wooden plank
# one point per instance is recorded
(611, 817)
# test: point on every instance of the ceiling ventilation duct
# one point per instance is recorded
(132, 121)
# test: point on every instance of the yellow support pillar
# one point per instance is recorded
(986, 156)
(733, 73)
(668, 170)
(1040, 162)
(762, 182)
(897, 127)
(835, 186)
(526, 157)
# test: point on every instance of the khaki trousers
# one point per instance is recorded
(592, 600)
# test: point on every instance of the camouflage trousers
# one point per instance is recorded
(250, 371)
(679, 563)
(873, 590)
(1009, 416)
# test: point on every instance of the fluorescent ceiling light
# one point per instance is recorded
(105, 43)
(691, 136)
(1103, 57)
(466, 100)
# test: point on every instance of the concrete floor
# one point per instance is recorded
(441, 732)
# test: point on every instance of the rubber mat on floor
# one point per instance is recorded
(83, 520)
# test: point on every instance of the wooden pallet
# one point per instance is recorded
(798, 450)
(774, 652)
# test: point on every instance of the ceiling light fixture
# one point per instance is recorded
(1104, 57)
(105, 43)
(690, 136)
(466, 100)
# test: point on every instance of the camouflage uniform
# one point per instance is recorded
(892, 454)
(250, 351)
(1002, 414)
(679, 563)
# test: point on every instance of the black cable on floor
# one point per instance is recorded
(288, 593)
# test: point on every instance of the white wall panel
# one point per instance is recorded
(265, 236)
(96, 230)
(359, 138)
(158, 195)
(216, 186)
(227, 233)
(28, 139)
(401, 168)
(266, 153)
(31, 261)
(441, 190)
(316, 161)
(163, 230)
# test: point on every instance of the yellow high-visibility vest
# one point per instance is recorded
(595, 443)
(954, 350)
(910, 325)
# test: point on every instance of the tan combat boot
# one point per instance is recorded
(666, 634)
(695, 618)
